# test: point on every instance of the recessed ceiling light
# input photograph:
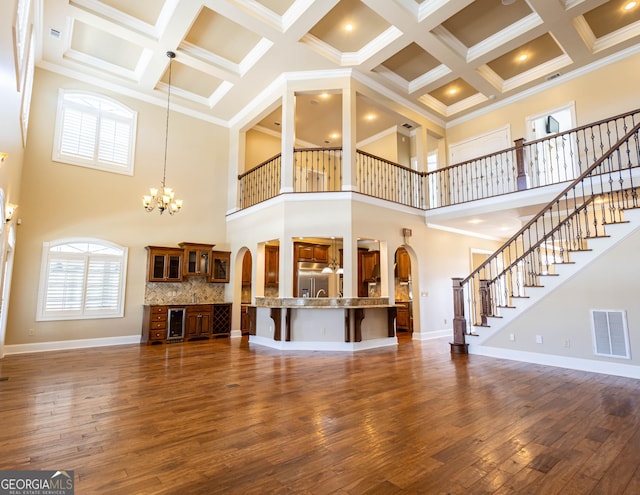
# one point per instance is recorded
(630, 5)
(508, 2)
(452, 91)
(370, 117)
(348, 27)
(335, 135)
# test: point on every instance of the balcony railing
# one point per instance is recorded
(527, 165)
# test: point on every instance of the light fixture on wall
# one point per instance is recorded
(3, 157)
(9, 211)
(164, 197)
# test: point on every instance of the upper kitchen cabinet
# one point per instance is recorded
(197, 259)
(220, 263)
(164, 264)
(311, 252)
(271, 265)
(403, 265)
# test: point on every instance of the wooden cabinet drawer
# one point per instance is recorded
(158, 325)
(159, 317)
(157, 334)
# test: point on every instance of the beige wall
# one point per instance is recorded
(603, 93)
(610, 282)
(65, 201)
(260, 147)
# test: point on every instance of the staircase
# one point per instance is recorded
(593, 213)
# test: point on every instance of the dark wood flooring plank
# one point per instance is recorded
(224, 417)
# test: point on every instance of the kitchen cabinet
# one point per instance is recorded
(220, 262)
(271, 265)
(197, 259)
(164, 264)
(162, 323)
(370, 266)
(245, 321)
(403, 265)
(175, 323)
(198, 321)
(317, 253)
(403, 316)
(221, 320)
(368, 270)
(246, 269)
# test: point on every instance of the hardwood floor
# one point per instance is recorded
(223, 417)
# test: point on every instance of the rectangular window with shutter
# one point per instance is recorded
(610, 334)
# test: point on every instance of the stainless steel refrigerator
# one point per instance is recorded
(311, 281)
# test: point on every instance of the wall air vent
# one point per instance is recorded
(553, 76)
(610, 335)
(54, 33)
(407, 126)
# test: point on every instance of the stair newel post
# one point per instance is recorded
(459, 346)
(521, 159)
(484, 301)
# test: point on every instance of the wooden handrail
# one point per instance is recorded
(551, 203)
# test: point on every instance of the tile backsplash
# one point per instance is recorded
(190, 290)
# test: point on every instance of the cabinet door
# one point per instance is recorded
(205, 324)
(192, 326)
(246, 269)
(321, 254)
(272, 265)
(164, 264)
(220, 266)
(370, 268)
(403, 266)
(402, 318)
(305, 252)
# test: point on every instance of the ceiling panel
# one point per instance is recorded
(230, 52)
(525, 57)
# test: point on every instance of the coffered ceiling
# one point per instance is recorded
(444, 58)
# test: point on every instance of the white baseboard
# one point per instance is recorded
(436, 334)
(236, 334)
(323, 346)
(581, 364)
(70, 344)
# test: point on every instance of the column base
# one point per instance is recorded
(459, 348)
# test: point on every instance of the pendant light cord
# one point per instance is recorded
(171, 56)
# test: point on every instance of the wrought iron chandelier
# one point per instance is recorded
(164, 197)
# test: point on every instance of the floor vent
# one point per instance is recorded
(610, 336)
(4, 378)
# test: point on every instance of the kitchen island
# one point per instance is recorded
(323, 324)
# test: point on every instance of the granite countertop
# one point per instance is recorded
(323, 302)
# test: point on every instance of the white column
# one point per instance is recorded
(349, 123)
(288, 141)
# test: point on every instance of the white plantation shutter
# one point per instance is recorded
(95, 132)
(82, 279)
(78, 134)
(114, 141)
(64, 290)
(103, 281)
